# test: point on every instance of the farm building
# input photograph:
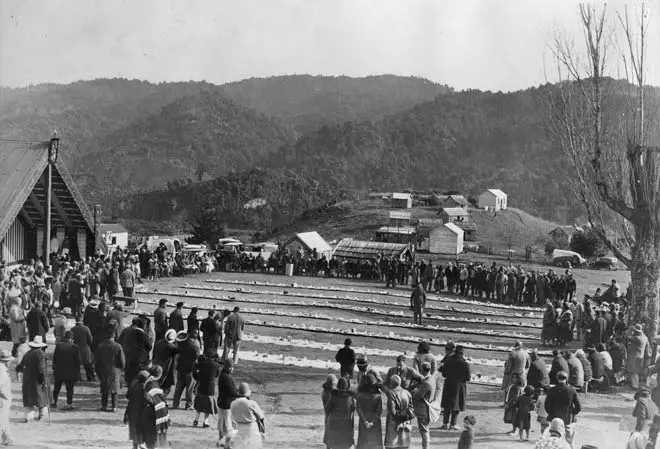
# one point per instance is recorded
(399, 218)
(360, 249)
(447, 201)
(446, 239)
(401, 200)
(561, 236)
(469, 230)
(114, 235)
(24, 180)
(309, 241)
(454, 214)
(493, 199)
(396, 234)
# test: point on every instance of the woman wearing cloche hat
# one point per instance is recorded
(249, 419)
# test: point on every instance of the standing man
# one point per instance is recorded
(160, 319)
(82, 337)
(456, 371)
(35, 393)
(211, 331)
(5, 396)
(417, 303)
(227, 392)
(233, 334)
(66, 368)
(422, 397)
(189, 351)
(136, 345)
(562, 402)
(127, 281)
(346, 359)
(192, 321)
(110, 362)
(407, 374)
(176, 318)
(516, 364)
(37, 322)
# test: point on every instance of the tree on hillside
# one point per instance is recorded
(588, 243)
(610, 136)
(207, 227)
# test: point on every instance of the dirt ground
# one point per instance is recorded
(290, 395)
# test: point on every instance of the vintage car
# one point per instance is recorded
(606, 263)
(565, 259)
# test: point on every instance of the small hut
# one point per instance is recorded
(493, 199)
(446, 239)
(396, 234)
(401, 200)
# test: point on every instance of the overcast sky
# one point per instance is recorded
(483, 44)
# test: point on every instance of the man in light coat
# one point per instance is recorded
(5, 397)
(234, 326)
(518, 364)
(425, 393)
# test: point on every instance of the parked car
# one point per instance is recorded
(606, 263)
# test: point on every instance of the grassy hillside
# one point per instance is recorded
(512, 228)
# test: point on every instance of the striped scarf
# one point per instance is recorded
(157, 399)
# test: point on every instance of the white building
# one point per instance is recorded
(114, 235)
(493, 199)
(446, 239)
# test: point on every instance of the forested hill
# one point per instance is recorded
(197, 136)
(309, 102)
(466, 141)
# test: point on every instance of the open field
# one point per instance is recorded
(295, 326)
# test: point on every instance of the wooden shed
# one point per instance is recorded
(310, 241)
(365, 250)
(452, 201)
(27, 169)
(454, 214)
(493, 199)
(399, 218)
(401, 200)
(396, 234)
(446, 239)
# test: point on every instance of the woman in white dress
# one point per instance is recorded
(248, 418)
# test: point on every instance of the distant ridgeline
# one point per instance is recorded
(319, 138)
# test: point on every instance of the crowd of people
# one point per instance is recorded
(150, 357)
(428, 389)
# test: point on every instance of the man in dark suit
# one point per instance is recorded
(37, 322)
(346, 359)
(562, 402)
(66, 368)
(160, 319)
(189, 351)
(136, 345)
(538, 375)
(176, 317)
(82, 337)
(211, 331)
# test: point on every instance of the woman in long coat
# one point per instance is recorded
(369, 409)
(329, 386)
(164, 354)
(399, 416)
(17, 323)
(136, 405)
(155, 416)
(205, 373)
(549, 330)
(457, 373)
(340, 410)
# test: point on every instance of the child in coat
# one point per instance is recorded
(541, 414)
(511, 403)
(524, 415)
(467, 436)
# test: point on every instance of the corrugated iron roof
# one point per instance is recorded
(396, 215)
(360, 249)
(497, 192)
(469, 226)
(401, 196)
(455, 229)
(405, 230)
(456, 212)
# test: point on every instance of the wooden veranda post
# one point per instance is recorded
(53, 149)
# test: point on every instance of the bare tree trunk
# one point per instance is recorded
(645, 277)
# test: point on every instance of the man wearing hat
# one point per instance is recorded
(211, 331)
(456, 371)
(76, 290)
(109, 363)
(136, 346)
(407, 374)
(346, 359)
(562, 402)
(66, 369)
(176, 317)
(234, 326)
(82, 337)
(33, 368)
(517, 364)
(189, 351)
(639, 355)
(425, 394)
(37, 322)
(160, 319)
(364, 369)
(5, 396)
